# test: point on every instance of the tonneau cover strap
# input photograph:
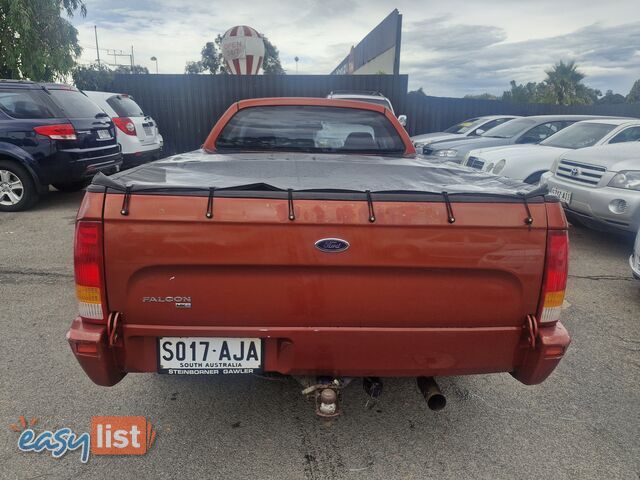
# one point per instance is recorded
(125, 201)
(447, 202)
(372, 214)
(292, 213)
(212, 191)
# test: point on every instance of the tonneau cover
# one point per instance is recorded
(199, 172)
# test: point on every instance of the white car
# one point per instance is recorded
(634, 259)
(136, 132)
(527, 163)
(471, 127)
(368, 97)
(599, 186)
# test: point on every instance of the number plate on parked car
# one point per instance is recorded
(563, 195)
(148, 131)
(209, 356)
(104, 134)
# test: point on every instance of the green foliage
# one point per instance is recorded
(36, 43)
(482, 96)
(94, 77)
(563, 86)
(611, 98)
(193, 68)
(418, 93)
(271, 63)
(127, 69)
(634, 93)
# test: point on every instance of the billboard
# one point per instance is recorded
(378, 51)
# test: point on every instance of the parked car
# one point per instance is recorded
(634, 259)
(369, 97)
(355, 260)
(528, 162)
(471, 127)
(136, 132)
(525, 130)
(599, 186)
(50, 134)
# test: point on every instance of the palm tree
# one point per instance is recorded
(564, 83)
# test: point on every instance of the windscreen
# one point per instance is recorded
(464, 127)
(75, 104)
(510, 128)
(310, 129)
(579, 135)
(125, 106)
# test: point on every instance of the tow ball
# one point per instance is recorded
(326, 397)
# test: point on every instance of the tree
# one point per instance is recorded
(482, 96)
(271, 63)
(193, 68)
(93, 77)
(127, 69)
(419, 92)
(532, 92)
(634, 93)
(35, 41)
(611, 98)
(565, 87)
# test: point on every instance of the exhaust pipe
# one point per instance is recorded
(431, 393)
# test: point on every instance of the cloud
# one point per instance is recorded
(480, 60)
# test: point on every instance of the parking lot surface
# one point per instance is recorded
(583, 422)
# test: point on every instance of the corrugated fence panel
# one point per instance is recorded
(187, 106)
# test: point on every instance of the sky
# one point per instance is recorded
(449, 47)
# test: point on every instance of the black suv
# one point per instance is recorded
(50, 134)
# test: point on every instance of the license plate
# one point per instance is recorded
(104, 134)
(209, 356)
(563, 195)
(148, 131)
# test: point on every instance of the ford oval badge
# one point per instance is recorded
(332, 245)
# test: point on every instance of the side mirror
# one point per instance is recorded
(403, 120)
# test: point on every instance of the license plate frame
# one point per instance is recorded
(215, 362)
(103, 134)
(148, 130)
(563, 195)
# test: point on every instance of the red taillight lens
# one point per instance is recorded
(125, 124)
(88, 270)
(62, 131)
(555, 276)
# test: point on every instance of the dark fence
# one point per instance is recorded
(432, 114)
(187, 106)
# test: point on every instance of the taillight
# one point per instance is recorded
(88, 270)
(62, 131)
(125, 124)
(555, 276)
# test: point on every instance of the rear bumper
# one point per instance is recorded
(335, 351)
(138, 158)
(79, 164)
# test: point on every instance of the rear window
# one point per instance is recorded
(75, 104)
(310, 129)
(25, 104)
(125, 106)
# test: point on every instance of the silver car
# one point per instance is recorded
(599, 186)
(471, 127)
(634, 259)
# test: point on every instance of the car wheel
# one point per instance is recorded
(70, 187)
(17, 188)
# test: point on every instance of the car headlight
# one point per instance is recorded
(499, 166)
(628, 179)
(488, 167)
(448, 153)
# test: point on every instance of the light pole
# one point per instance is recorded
(155, 59)
(296, 59)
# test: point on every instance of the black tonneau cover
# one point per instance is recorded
(259, 174)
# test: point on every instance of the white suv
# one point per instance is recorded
(137, 133)
(368, 97)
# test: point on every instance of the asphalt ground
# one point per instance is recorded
(583, 422)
